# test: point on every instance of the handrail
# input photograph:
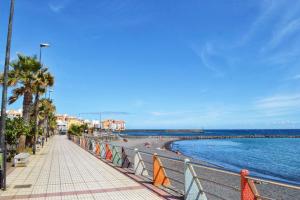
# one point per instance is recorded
(228, 186)
(173, 170)
(274, 183)
(169, 158)
(121, 146)
(147, 153)
(214, 169)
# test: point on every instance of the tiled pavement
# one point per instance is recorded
(62, 170)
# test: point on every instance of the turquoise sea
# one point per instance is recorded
(276, 159)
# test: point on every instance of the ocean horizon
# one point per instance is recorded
(213, 132)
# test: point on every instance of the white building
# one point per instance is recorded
(14, 113)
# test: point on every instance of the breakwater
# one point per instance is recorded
(166, 130)
(194, 137)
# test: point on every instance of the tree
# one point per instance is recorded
(77, 130)
(52, 124)
(46, 115)
(21, 77)
(14, 128)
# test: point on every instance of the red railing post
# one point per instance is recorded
(246, 190)
(108, 153)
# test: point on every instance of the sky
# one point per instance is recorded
(208, 64)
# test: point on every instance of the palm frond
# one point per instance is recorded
(16, 93)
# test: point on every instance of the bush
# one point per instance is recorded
(77, 129)
(14, 128)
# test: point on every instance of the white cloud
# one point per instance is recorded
(206, 53)
(139, 103)
(283, 33)
(276, 22)
(158, 113)
(58, 6)
(296, 77)
(175, 113)
(279, 105)
(268, 8)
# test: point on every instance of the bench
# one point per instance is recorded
(21, 159)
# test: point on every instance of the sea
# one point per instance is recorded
(270, 158)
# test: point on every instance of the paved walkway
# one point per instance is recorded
(62, 170)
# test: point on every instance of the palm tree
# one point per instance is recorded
(22, 77)
(52, 124)
(46, 115)
(43, 79)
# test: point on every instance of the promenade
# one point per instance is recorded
(62, 170)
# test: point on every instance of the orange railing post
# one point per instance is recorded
(108, 153)
(97, 151)
(159, 173)
(248, 189)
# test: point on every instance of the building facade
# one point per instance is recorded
(68, 120)
(114, 125)
(14, 113)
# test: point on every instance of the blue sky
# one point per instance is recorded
(168, 64)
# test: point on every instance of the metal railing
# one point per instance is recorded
(187, 178)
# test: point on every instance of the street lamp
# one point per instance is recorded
(43, 45)
(4, 95)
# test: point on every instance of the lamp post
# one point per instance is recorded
(50, 91)
(47, 123)
(4, 94)
(42, 45)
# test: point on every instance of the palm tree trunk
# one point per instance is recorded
(4, 96)
(27, 101)
(36, 123)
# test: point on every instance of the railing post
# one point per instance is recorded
(92, 146)
(126, 163)
(86, 144)
(138, 164)
(159, 173)
(97, 149)
(248, 189)
(102, 150)
(108, 154)
(192, 187)
(116, 156)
